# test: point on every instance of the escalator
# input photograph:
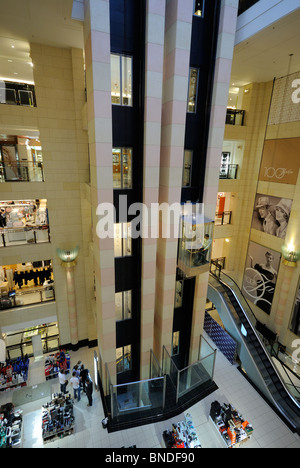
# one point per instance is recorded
(240, 322)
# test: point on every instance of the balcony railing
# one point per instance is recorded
(24, 235)
(228, 171)
(28, 297)
(223, 218)
(20, 343)
(21, 171)
(20, 94)
(235, 117)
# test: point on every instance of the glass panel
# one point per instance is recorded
(194, 249)
(119, 360)
(119, 306)
(127, 81)
(127, 357)
(115, 79)
(122, 239)
(199, 7)
(123, 305)
(116, 153)
(175, 343)
(127, 168)
(118, 239)
(127, 245)
(196, 375)
(192, 96)
(187, 168)
(138, 396)
(126, 305)
(8, 96)
(25, 98)
(123, 358)
(178, 294)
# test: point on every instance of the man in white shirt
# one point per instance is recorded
(63, 381)
(74, 381)
(203, 253)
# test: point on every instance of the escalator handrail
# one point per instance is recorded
(240, 291)
(260, 342)
(284, 367)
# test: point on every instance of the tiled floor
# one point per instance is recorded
(269, 430)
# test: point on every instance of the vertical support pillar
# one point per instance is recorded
(99, 117)
(154, 54)
(68, 262)
(226, 34)
(72, 304)
(178, 27)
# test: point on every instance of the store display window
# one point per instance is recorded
(192, 92)
(21, 160)
(121, 80)
(23, 221)
(122, 168)
(122, 239)
(123, 358)
(199, 8)
(187, 168)
(123, 305)
(25, 284)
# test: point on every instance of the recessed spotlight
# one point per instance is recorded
(15, 73)
(9, 60)
(12, 46)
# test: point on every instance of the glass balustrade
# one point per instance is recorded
(24, 235)
(137, 396)
(21, 171)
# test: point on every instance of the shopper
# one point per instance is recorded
(74, 381)
(84, 375)
(89, 391)
(202, 255)
(63, 381)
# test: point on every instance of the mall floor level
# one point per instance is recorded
(269, 430)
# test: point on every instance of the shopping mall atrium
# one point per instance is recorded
(149, 223)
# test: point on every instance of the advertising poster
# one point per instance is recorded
(260, 276)
(271, 214)
(280, 161)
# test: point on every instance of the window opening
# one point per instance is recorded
(192, 93)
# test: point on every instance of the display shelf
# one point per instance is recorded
(230, 425)
(55, 362)
(11, 427)
(14, 373)
(183, 435)
(58, 417)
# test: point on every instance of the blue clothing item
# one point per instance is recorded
(77, 393)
